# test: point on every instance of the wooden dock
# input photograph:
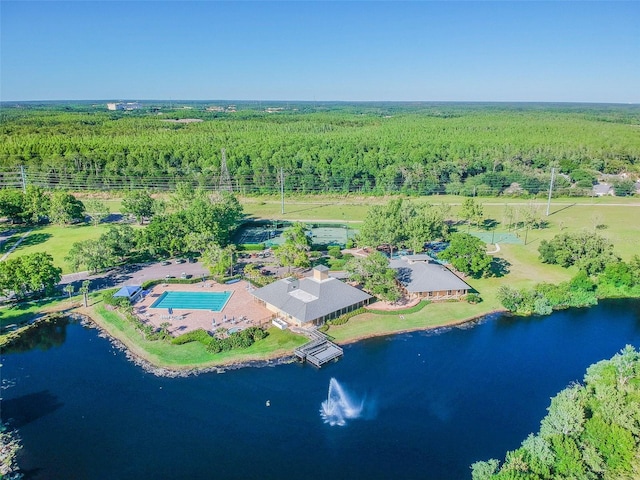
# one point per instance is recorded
(319, 350)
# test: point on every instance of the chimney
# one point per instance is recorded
(320, 273)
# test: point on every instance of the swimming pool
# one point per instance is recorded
(213, 301)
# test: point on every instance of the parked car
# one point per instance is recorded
(264, 271)
(166, 262)
(180, 260)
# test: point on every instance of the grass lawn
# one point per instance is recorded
(193, 354)
(24, 312)
(56, 240)
(524, 273)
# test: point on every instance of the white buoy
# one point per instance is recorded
(268, 403)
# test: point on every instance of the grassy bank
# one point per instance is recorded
(191, 355)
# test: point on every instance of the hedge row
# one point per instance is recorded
(242, 339)
(415, 308)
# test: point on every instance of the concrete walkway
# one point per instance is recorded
(15, 245)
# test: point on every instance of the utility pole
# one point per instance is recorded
(282, 190)
(553, 172)
(225, 178)
(24, 179)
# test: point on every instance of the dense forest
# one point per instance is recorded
(422, 148)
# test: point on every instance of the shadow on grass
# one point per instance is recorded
(313, 207)
(561, 209)
(32, 239)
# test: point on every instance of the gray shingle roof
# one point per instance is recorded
(307, 299)
(425, 276)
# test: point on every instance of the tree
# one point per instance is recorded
(294, 252)
(484, 470)
(471, 211)
(65, 208)
(29, 274)
(588, 251)
(218, 259)
(139, 204)
(84, 290)
(93, 254)
(374, 274)
(382, 225)
(624, 188)
(468, 255)
(69, 289)
(12, 204)
(37, 203)
(400, 222)
(97, 210)
(566, 414)
(120, 240)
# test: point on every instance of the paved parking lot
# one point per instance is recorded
(134, 275)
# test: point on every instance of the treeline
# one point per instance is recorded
(591, 431)
(385, 148)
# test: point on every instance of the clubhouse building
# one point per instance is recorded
(311, 300)
(421, 277)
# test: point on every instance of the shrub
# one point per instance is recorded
(473, 298)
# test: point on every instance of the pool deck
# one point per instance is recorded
(241, 304)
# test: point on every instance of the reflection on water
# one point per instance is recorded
(43, 335)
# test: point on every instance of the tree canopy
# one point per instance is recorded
(416, 149)
(403, 223)
(374, 274)
(29, 274)
(588, 251)
(467, 254)
(590, 430)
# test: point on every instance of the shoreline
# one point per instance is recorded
(87, 320)
(456, 323)
(148, 366)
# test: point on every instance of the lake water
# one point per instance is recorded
(422, 405)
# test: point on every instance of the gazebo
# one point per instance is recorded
(130, 292)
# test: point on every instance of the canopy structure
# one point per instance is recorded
(131, 292)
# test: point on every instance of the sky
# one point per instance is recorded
(560, 51)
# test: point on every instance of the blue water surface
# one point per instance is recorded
(431, 404)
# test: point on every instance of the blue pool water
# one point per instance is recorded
(214, 301)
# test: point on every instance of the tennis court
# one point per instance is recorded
(331, 234)
(321, 234)
(212, 301)
(257, 234)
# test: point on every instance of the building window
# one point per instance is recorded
(448, 292)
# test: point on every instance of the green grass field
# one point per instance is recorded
(55, 240)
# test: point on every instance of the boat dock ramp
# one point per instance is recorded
(319, 350)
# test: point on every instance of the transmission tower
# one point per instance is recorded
(225, 178)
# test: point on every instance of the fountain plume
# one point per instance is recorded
(339, 405)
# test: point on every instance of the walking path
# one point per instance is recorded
(494, 251)
(15, 245)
